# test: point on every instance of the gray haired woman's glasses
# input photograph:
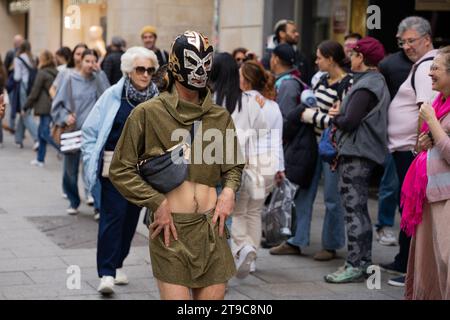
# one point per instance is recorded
(141, 70)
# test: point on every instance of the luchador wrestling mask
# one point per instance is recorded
(190, 60)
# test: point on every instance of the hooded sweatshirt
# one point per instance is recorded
(148, 133)
(78, 95)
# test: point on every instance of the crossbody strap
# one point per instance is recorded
(414, 70)
(26, 64)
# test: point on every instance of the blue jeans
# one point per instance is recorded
(96, 194)
(44, 137)
(70, 178)
(27, 122)
(388, 194)
(333, 229)
(118, 221)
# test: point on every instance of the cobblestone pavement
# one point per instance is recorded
(38, 242)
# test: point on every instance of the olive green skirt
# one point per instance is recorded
(199, 258)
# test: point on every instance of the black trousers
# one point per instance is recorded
(403, 160)
(118, 221)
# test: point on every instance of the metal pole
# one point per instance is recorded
(216, 26)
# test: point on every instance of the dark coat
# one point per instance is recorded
(111, 66)
(39, 98)
(395, 68)
(300, 148)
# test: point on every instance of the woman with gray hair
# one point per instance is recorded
(101, 132)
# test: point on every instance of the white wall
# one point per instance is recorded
(170, 17)
(44, 25)
(241, 25)
(10, 25)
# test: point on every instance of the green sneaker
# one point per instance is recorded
(346, 274)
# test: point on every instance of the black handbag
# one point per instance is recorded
(165, 172)
(169, 170)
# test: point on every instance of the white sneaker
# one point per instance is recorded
(72, 211)
(96, 215)
(36, 146)
(386, 237)
(121, 277)
(90, 201)
(106, 285)
(64, 195)
(37, 163)
(246, 256)
(253, 266)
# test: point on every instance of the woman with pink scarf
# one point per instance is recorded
(425, 196)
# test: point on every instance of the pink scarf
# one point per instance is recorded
(414, 187)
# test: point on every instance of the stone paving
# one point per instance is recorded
(38, 242)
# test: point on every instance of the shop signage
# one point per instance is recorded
(340, 19)
(72, 20)
(433, 5)
(80, 2)
(19, 6)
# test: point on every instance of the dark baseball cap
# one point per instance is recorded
(285, 52)
(371, 49)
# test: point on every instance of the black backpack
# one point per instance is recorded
(414, 70)
(32, 75)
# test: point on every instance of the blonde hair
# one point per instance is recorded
(46, 59)
(445, 53)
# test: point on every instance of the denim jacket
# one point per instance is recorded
(96, 129)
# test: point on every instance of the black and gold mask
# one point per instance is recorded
(191, 59)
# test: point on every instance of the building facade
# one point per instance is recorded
(48, 24)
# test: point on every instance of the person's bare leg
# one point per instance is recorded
(214, 292)
(168, 291)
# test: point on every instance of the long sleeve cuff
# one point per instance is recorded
(232, 178)
(155, 202)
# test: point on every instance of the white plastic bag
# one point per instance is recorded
(277, 215)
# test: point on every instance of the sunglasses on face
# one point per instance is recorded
(141, 70)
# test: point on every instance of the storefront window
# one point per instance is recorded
(85, 21)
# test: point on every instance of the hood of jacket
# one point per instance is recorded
(183, 111)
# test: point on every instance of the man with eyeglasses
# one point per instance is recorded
(414, 37)
(285, 31)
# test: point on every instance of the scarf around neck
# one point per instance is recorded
(138, 96)
(413, 194)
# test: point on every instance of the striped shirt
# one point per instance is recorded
(327, 95)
